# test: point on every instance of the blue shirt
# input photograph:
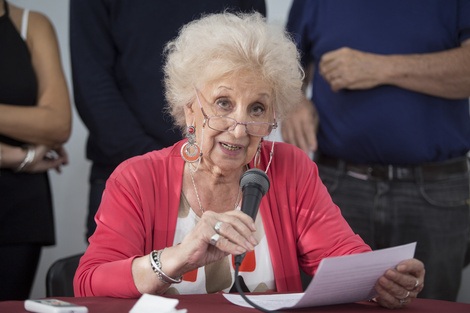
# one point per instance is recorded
(386, 124)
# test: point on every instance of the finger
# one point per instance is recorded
(238, 221)
(236, 227)
(227, 246)
(228, 239)
(387, 300)
(287, 132)
(412, 266)
(331, 66)
(327, 62)
(65, 160)
(392, 295)
(309, 136)
(389, 284)
(327, 72)
(245, 218)
(404, 280)
(392, 287)
(64, 153)
(299, 129)
(312, 141)
(337, 84)
(300, 135)
(312, 133)
(234, 236)
(416, 271)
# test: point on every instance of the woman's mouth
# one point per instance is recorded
(230, 147)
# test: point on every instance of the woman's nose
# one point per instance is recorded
(240, 130)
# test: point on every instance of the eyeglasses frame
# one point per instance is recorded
(207, 118)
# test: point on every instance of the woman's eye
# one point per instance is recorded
(258, 110)
(223, 104)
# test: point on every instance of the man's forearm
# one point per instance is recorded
(443, 74)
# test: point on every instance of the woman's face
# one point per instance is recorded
(243, 97)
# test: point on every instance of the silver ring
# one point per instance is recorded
(402, 301)
(217, 227)
(416, 284)
(407, 294)
(214, 239)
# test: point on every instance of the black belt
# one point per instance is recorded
(427, 172)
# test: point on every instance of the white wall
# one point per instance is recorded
(70, 189)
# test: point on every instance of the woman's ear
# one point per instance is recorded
(189, 114)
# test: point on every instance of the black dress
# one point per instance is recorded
(25, 199)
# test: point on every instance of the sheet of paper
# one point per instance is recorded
(149, 303)
(343, 279)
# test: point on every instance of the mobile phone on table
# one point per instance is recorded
(53, 306)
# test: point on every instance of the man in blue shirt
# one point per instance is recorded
(390, 87)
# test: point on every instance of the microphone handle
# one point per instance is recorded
(252, 194)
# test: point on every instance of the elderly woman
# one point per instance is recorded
(169, 221)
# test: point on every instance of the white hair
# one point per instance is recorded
(218, 45)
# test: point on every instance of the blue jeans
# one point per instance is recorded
(386, 213)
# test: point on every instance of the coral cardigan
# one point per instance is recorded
(139, 210)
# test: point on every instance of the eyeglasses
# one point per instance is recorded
(225, 123)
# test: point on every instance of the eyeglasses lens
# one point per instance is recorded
(223, 123)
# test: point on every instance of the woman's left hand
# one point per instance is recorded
(398, 287)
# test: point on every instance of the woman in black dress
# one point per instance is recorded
(35, 121)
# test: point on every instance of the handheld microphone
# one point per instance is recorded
(255, 184)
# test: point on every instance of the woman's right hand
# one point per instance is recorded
(236, 236)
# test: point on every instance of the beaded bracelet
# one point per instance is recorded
(28, 159)
(157, 268)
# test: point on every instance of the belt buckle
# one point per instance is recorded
(380, 172)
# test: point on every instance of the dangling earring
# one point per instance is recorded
(257, 160)
(190, 151)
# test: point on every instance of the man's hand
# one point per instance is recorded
(347, 68)
(300, 128)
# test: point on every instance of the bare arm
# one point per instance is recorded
(443, 74)
(49, 122)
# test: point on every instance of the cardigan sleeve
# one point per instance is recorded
(138, 214)
(105, 269)
(303, 224)
(321, 229)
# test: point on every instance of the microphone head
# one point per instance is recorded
(255, 176)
